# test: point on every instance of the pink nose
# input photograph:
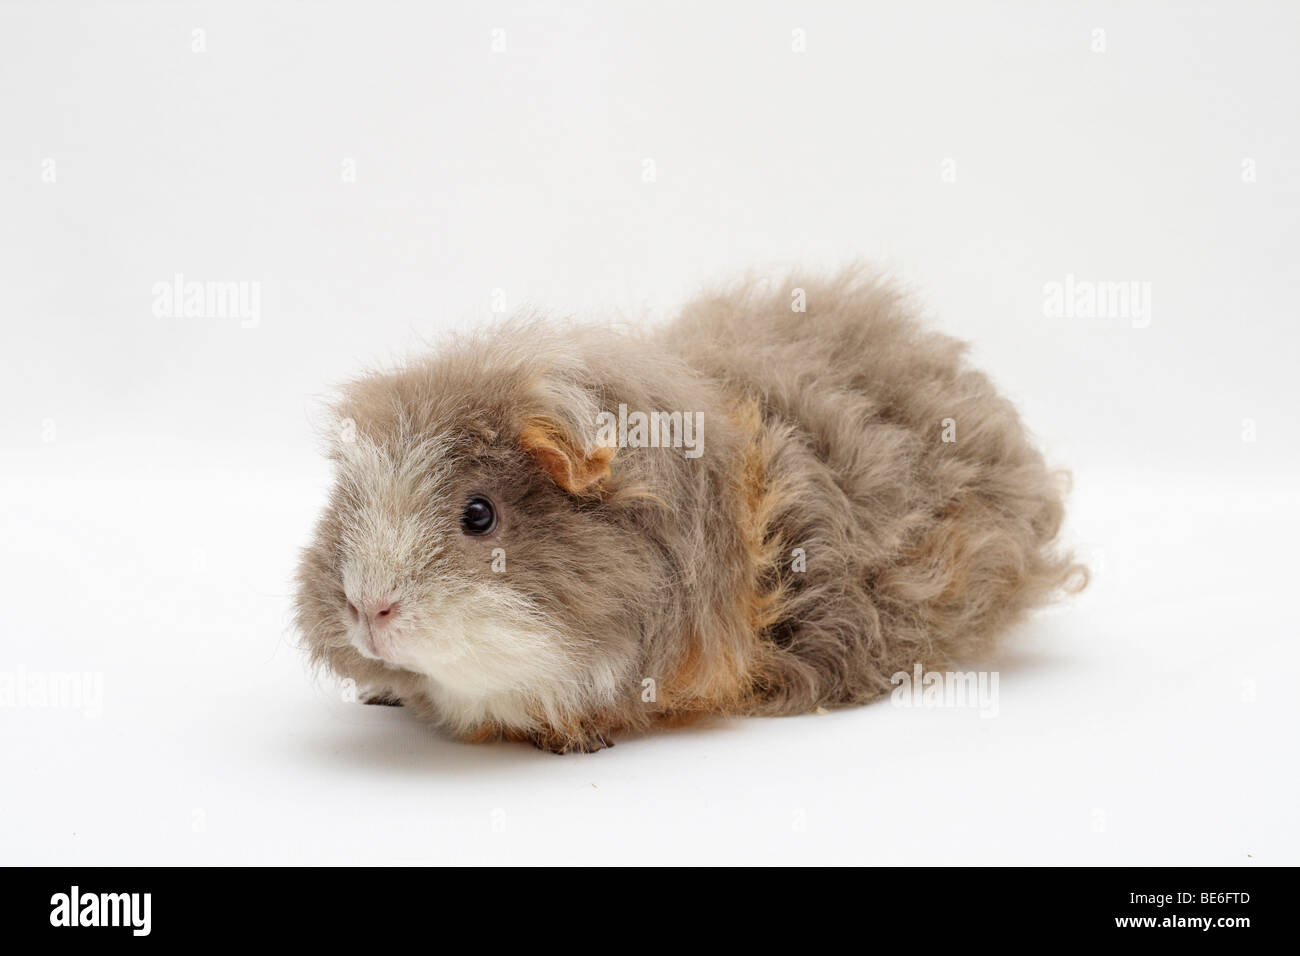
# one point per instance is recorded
(376, 611)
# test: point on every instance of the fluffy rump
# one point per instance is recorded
(917, 548)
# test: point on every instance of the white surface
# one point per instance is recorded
(1159, 707)
(159, 474)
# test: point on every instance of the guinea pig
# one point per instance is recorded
(774, 503)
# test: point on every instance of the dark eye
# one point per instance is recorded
(479, 517)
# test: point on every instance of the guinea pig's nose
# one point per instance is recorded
(376, 611)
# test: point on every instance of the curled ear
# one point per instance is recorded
(578, 470)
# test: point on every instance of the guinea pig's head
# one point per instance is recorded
(471, 533)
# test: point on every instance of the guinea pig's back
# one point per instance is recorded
(912, 516)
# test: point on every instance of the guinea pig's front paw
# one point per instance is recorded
(585, 741)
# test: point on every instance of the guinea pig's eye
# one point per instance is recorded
(479, 517)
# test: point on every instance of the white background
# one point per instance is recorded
(160, 474)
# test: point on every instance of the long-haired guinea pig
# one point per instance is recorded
(556, 533)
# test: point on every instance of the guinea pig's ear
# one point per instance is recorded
(576, 466)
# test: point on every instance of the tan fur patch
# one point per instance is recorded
(716, 680)
(722, 677)
(482, 734)
(764, 595)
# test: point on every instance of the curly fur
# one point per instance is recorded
(827, 537)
